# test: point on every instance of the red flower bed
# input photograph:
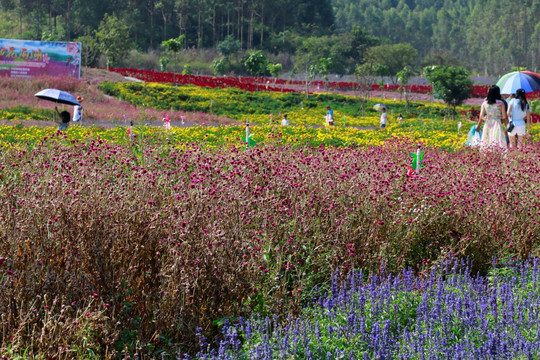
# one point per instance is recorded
(203, 81)
(269, 84)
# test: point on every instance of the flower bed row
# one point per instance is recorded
(198, 80)
(261, 107)
(446, 315)
(268, 84)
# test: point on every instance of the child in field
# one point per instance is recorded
(329, 116)
(64, 119)
(285, 120)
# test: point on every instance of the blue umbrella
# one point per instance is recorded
(57, 96)
(510, 82)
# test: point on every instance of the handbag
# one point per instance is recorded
(510, 126)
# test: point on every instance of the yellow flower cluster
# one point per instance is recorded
(20, 137)
(429, 132)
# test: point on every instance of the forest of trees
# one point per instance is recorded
(486, 36)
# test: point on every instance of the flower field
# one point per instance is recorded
(123, 246)
(265, 107)
(270, 84)
(453, 316)
(440, 134)
(144, 245)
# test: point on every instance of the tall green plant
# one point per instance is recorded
(255, 62)
(174, 45)
(450, 83)
(113, 39)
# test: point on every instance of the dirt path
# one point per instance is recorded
(103, 124)
(112, 124)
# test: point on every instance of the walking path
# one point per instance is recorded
(112, 124)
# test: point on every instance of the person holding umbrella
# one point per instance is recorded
(519, 114)
(59, 97)
(64, 119)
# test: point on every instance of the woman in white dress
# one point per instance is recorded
(492, 115)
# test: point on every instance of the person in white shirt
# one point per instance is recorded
(285, 120)
(384, 118)
(78, 110)
(520, 114)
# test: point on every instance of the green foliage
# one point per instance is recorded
(113, 39)
(174, 46)
(220, 66)
(255, 62)
(404, 75)
(440, 59)
(228, 47)
(187, 70)
(451, 32)
(535, 106)
(91, 50)
(463, 32)
(339, 48)
(325, 65)
(163, 62)
(48, 36)
(274, 69)
(392, 58)
(451, 84)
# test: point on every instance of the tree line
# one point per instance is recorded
(486, 36)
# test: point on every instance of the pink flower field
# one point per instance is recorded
(118, 245)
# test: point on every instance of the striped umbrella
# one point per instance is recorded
(527, 81)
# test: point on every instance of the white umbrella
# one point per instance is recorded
(58, 96)
(379, 107)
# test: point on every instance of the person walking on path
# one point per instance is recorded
(329, 116)
(384, 118)
(519, 114)
(492, 115)
(78, 110)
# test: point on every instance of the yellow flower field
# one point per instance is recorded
(443, 135)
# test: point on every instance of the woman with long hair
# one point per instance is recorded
(520, 114)
(492, 115)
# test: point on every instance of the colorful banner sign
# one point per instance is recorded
(26, 59)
